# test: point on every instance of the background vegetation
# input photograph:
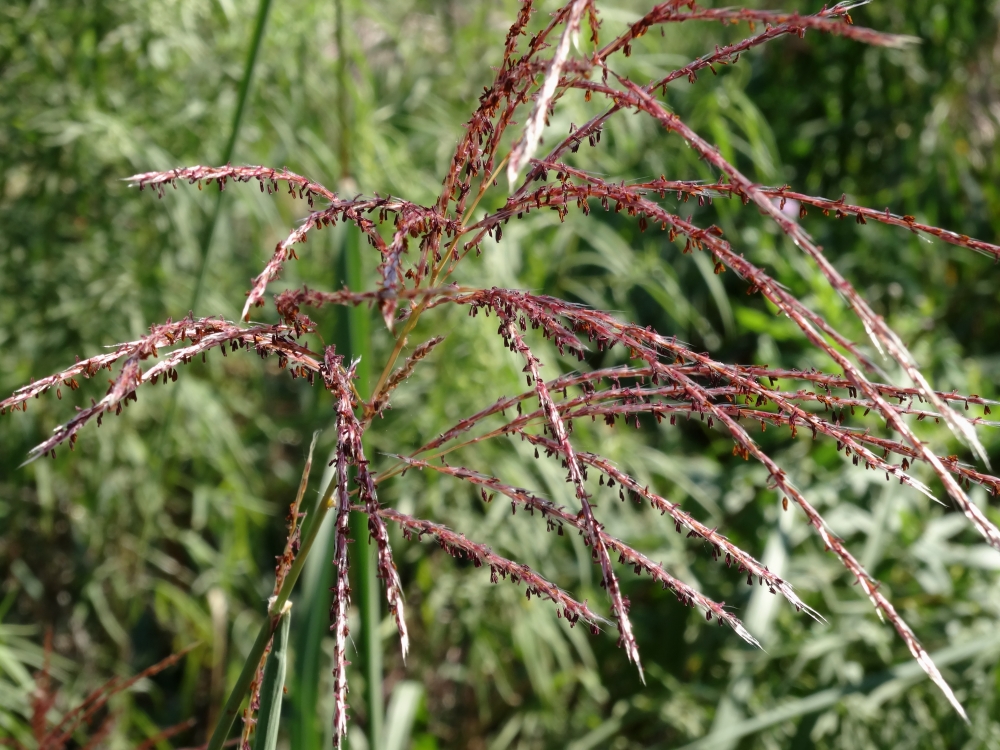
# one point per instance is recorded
(161, 529)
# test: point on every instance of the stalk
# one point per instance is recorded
(205, 241)
(414, 317)
(274, 614)
(359, 331)
(208, 231)
(367, 574)
(234, 131)
(308, 731)
(273, 690)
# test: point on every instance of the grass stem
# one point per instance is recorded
(274, 613)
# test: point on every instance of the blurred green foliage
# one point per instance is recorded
(160, 532)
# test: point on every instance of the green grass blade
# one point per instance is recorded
(908, 672)
(234, 131)
(402, 710)
(208, 231)
(310, 730)
(309, 533)
(239, 691)
(273, 690)
(369, 596)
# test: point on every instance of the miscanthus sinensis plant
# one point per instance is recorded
(500, 162)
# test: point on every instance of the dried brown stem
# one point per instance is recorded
(281, 570)
(728, 54)
(160, 337)
(689, 382)
(524, 148)
(639, 340)
(84, 713)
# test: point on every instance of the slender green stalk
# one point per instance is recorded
(359, 322)
(228, 716)
(273, 689)
(369, 604)
(367, 585)
(359, 325)
(232, 707)
(309, 732)
(274, 612)
(342, 94)
(208, 231)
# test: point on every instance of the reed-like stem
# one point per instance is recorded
(359, 321)
(208, 230)
(274, 613)
(260, 23)
(273, 690)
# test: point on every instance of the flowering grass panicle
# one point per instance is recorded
(421, 247)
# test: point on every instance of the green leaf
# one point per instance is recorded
(273, 689)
